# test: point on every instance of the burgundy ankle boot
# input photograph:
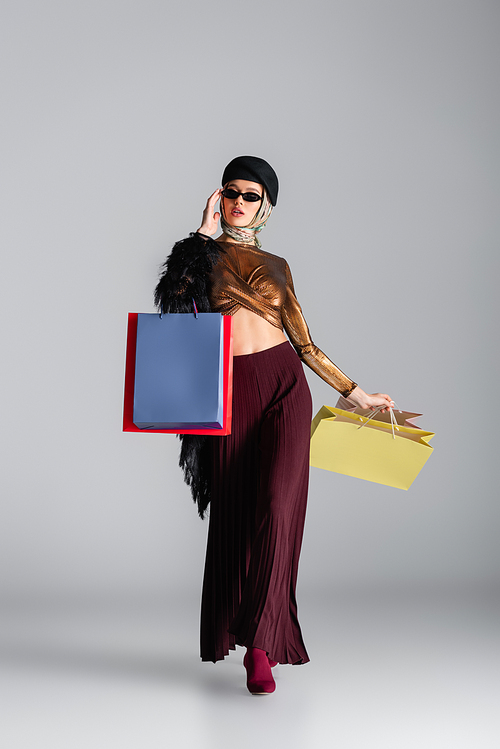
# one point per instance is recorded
(259, 677)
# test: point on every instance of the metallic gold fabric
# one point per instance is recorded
(246, 276)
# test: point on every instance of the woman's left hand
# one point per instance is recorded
(373, 401)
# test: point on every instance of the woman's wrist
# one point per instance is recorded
(357, 396)
(352, 389)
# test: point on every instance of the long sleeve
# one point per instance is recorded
(298, 332)
(184, 275)
(184, 278)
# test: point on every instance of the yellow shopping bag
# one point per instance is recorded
(370, 448)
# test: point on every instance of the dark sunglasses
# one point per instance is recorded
(250, 197)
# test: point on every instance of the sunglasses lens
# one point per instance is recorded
(249, 197)
(231, 194)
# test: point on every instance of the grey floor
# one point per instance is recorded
(389, 669)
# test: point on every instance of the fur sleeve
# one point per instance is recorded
(183, 278)
(184, 275)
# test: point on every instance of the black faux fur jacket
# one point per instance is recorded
(184, 278)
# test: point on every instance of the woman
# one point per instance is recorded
(256, 478)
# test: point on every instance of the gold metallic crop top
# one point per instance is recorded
(246, 276)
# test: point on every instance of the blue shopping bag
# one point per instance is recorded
(179, 371)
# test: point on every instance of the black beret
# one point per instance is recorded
(253, 169)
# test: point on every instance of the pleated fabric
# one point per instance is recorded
(257, 512)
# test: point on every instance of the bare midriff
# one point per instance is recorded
(251, 333)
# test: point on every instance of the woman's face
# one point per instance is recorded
(239, 212)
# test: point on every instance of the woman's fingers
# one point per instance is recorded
(211, 201)
(381, 399)
(371, 401)
(210, 219)
(214, 197)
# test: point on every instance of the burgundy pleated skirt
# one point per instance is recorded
(260, 476)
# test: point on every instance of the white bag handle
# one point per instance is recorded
(394, 423)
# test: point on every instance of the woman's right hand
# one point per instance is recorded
(372, 401)
(210, 219)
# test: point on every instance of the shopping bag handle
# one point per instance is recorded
(195, 310)
(394, 423)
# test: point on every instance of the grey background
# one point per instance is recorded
(382, 121)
